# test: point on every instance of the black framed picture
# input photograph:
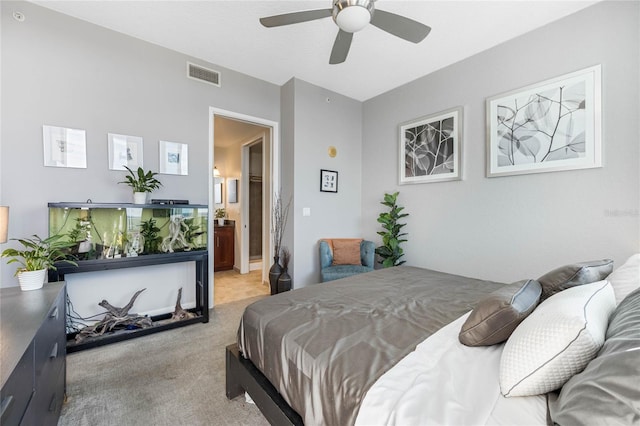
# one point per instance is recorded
(328, 181)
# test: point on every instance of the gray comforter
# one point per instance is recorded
(324, 345)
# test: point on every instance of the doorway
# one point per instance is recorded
(244, 149)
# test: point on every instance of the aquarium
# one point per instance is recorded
(113, 231)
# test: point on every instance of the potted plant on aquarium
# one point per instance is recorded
(36, 257)
(220, 215)
(141, 182)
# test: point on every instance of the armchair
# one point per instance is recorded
(343, 257)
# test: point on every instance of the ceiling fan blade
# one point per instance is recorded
(340, 47)
(295, 17)
(399, 26)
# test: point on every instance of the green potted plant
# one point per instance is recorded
(390, 251)
(36, 257)
(151, 236)
(141, 182)
(220, 215)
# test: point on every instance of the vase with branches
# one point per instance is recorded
(284, 280)
(280, 213)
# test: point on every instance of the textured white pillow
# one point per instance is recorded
(557, 340)
(626, 278)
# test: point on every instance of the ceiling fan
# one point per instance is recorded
(351, 16)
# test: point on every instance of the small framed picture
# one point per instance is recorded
(124, 150)
(64, 147)
(328, 181)
(174, 158)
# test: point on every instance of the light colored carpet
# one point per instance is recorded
(176, 377)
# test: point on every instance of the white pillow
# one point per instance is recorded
(557, 340)
(626, 278)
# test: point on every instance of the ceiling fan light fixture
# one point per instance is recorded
(353, 19)
(352, 15)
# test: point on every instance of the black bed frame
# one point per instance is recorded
(242, 376)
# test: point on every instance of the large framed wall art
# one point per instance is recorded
(550, 126)
(430, 148)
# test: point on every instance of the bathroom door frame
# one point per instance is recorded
(272, 132)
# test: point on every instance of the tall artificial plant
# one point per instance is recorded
(390, 251)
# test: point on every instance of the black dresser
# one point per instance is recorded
(32, 355)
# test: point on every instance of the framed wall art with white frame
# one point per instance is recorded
(430, 148)
(64, 147)
(174, 158)
(545, 127)
(125, 150)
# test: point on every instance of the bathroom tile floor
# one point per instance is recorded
(230, 286)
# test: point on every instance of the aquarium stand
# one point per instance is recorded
(202, 292)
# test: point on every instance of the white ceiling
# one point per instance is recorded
(228, 33)
(229, 131)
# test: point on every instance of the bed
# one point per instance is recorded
(385, 348)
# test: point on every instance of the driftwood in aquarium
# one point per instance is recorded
(179, 313)
(115, 318)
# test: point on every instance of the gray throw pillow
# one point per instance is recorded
(575, 274)
(607, 391)
(495, 317)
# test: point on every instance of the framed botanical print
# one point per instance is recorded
(431, 148)
(549, 126)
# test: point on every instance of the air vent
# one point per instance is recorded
(206, 75)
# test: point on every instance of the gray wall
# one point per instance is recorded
(61, 71)
(313, 120)
(511, 228)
